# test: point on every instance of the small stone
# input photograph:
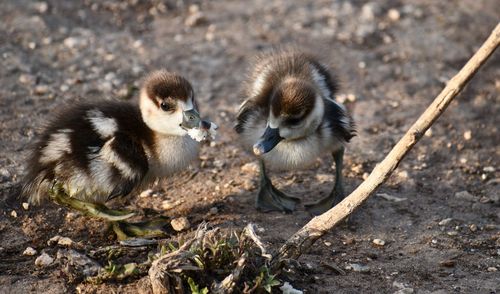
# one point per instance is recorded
(393, 14)
(27, 79)
(26, 205)
(13, 213)
(365, 176)
(492, 269)
(465, 195)
(445, 221)
(65, 241)
(473, 228)
(328, 244)
(428, 133)
(64, 88)
(29, 251)
(251, 167)
(452, 233)
(42, 7)
(180, 224)
(447, 263)
(213, 210)
(195, 19)
(378, 242)
(146, 193)
(41, 89)
(468, 135)
(489, 169)
(359, 267)
(168, 204)
(43, 260)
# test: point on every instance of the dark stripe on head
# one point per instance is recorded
(292, 98)
(163, 84)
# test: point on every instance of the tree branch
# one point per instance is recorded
(320, 225)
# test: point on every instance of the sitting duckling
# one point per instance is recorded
(93, 152)
(290, 118)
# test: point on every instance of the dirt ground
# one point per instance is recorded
(393, 58)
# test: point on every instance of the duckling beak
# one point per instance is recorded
(190, 119)
(268, 141)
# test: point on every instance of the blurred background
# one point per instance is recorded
(393, 57)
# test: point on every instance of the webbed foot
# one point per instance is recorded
(272, 199)
(157, 227)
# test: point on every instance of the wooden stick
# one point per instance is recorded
(318, 226)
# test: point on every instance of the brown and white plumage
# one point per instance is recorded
(101, 150)
(295, 92)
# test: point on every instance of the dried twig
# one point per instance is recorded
(318, 226)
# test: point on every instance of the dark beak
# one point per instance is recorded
(190, 119)
(268, 141)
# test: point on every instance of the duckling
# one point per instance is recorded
(288, 119)
(93, 152)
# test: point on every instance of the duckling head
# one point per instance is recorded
(296, 110)
(167, 104)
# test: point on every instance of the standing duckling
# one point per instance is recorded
(94, 152)
(289, 119)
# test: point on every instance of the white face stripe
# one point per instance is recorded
(166, 123)
(105, 126)
(58, 145)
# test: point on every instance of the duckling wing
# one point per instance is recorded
(248, 110)
(128, 158)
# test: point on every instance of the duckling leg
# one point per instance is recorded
(157, 227)
(146, 229)
(337, 194)
(270, 198)
(61, 197)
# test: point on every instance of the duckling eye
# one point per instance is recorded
(293, 121)
(166, 106)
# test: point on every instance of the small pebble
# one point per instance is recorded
(26, 205)
(27, 79)
(41, 89)
(13, 213)
(44, 260)
(180, 224)
(359, 267)
(468, 135)
(465, 195)
(473, 227)
(213, 210)
(328, 244)
(393, 14)
(489, 169)
(447, 263)
(195, 19)
(29, 251)
(492, 269)
(379, 242)
(65, 241)
(146, 193)
(445, 221)
(452, 233)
